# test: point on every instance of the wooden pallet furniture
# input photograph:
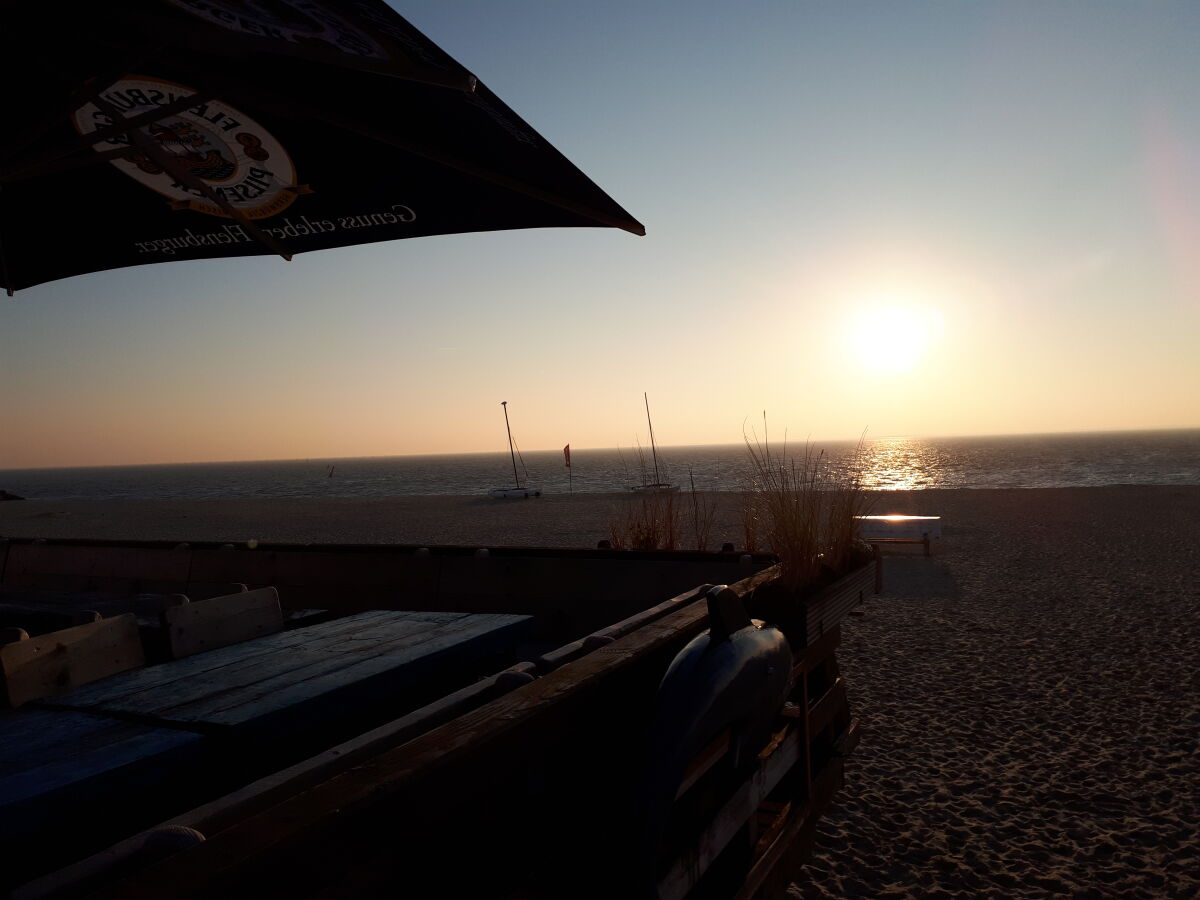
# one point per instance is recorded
(220, 621)
(166, 737)
(537, 787)
(534, 775)
(51, 663)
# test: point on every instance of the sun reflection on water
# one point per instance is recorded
(901, 464)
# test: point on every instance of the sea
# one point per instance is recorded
(887, 463)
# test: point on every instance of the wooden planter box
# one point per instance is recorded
(826, 609)
(805, 620)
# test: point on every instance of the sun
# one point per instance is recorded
(888, 338)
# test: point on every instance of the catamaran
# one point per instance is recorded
(520, 490)
(658, 486)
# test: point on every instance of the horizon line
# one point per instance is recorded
(618, 448)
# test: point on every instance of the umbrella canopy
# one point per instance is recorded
(162, 130)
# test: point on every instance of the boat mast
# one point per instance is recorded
(653, 452)
(517, 480)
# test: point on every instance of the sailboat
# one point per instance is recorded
(658, 486)
(519, 490)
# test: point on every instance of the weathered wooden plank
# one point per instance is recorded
(687, 869)
(71, 783)
(564, 654)
(822, 712)
(197, 675)
(225, 811)
(805, 659)
(404, 633)
(279, 672)
(45, 750)
(386, 668)
(289, 658)
(393, 627)
(380, 567)
(833, 605)
(209, 624)
(132, 563)
(54, 662)
(142, 690)
(769, 876)
(332, 580)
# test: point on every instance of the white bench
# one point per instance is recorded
(897, 529)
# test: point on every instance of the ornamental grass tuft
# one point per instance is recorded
(801, 507)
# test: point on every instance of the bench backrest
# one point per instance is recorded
(221, 621)
(53, 662)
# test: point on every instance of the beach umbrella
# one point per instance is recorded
(151, 131)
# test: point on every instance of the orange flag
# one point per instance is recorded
(567, 456)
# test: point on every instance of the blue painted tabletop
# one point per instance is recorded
(124, 752)
(367, 653)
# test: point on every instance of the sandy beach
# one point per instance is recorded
(1029, 694)
(1032, 705)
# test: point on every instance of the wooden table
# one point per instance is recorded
(132, 749)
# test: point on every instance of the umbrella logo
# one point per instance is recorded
(192, 154)
(199, 155)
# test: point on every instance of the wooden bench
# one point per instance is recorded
(221, 621)
(897, 529)
(51, 663)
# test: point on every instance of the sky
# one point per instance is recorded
(919, 218)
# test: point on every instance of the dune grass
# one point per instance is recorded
(665, 520)
(650, 521)
(802, 508)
